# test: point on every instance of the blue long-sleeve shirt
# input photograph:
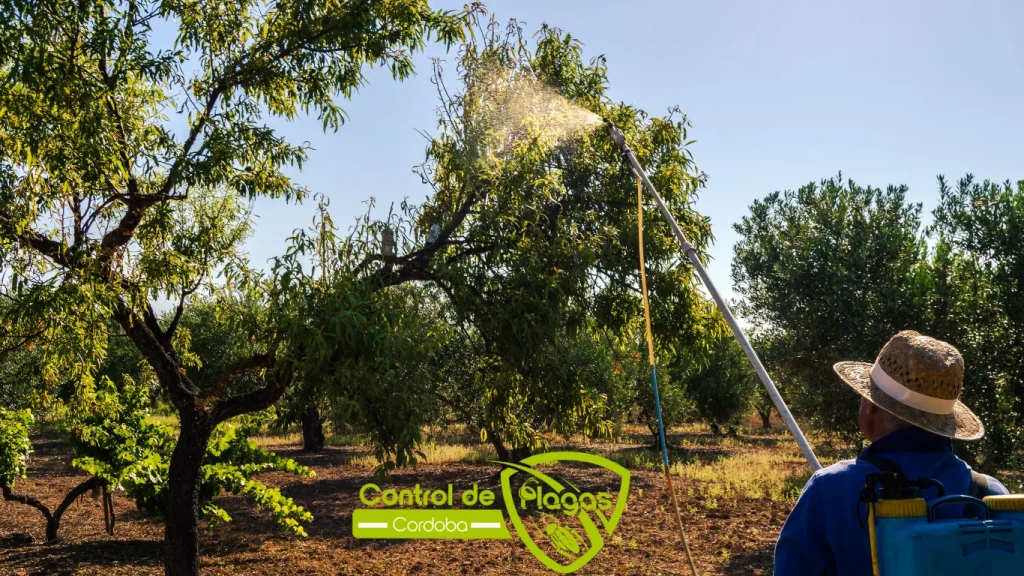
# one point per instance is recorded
(824, 535)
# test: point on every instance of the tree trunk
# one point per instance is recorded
(505, 454)
(52, 518)
(181, 533)
(27, 500)
(766, 418)
(520, 453)
(53, 522)
(656, 436)
(312, 430)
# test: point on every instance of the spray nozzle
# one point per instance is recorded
(617, 136)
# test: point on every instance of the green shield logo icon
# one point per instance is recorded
(595, 516)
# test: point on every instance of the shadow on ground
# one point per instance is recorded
(70, 558)
(757, 562)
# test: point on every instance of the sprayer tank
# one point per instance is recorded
(915, 543)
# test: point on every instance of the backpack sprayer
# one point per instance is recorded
(915, 540)
(909, 537)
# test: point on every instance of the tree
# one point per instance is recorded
(24, 385)
(230, 466)
(536, 255)
(15, 449)
(104, 207)
(581, 375)
(830, 272)
(313, 438)
(725, 388)
(514, 270)
(978, 271)
(121, 450)
(773, 354)
(677, 406)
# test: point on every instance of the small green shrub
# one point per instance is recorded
(15, 446)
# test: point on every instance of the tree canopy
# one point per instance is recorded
(126, 170)
(508, 299)
(830, 272)
(535, 262)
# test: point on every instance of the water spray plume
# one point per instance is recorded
(516, 108)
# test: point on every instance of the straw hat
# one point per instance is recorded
(917, 379)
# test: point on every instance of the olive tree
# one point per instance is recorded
(830, 272)
(726, 387)
(977, 303)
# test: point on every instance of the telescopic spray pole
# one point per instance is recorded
(691, 254)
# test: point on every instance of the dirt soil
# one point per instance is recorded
(734, 539)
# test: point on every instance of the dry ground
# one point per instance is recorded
(735, 494)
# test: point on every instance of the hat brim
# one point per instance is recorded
(962, 424)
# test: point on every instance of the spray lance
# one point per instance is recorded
(691, 254)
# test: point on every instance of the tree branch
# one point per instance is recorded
(234, 74)
(55, 250)
(23, 341)
(170, 375)
(76, 214)
(26, 500)
(236, 369)
(257, 399)
(414, 264)
(466, 415)
(149, 317)
(53, 524)
(122, 135)
(137, 205)
(125, 230)
(185, 293)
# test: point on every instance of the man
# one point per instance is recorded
(909, 411)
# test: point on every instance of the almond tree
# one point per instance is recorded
(15, 449)
(126, 168)
(536, 258)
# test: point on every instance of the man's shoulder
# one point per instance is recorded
(841, 467)
(995, 487)
(844, 468)
(842, 472)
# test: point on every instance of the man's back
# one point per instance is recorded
(827, 532)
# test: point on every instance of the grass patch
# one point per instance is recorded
(348, 439)
(636, 458)
(165, 419)
(776, 476)
(269, 441)
(440, 454)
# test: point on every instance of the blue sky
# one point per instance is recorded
(779, 94)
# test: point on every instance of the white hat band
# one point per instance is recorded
(909, 397)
